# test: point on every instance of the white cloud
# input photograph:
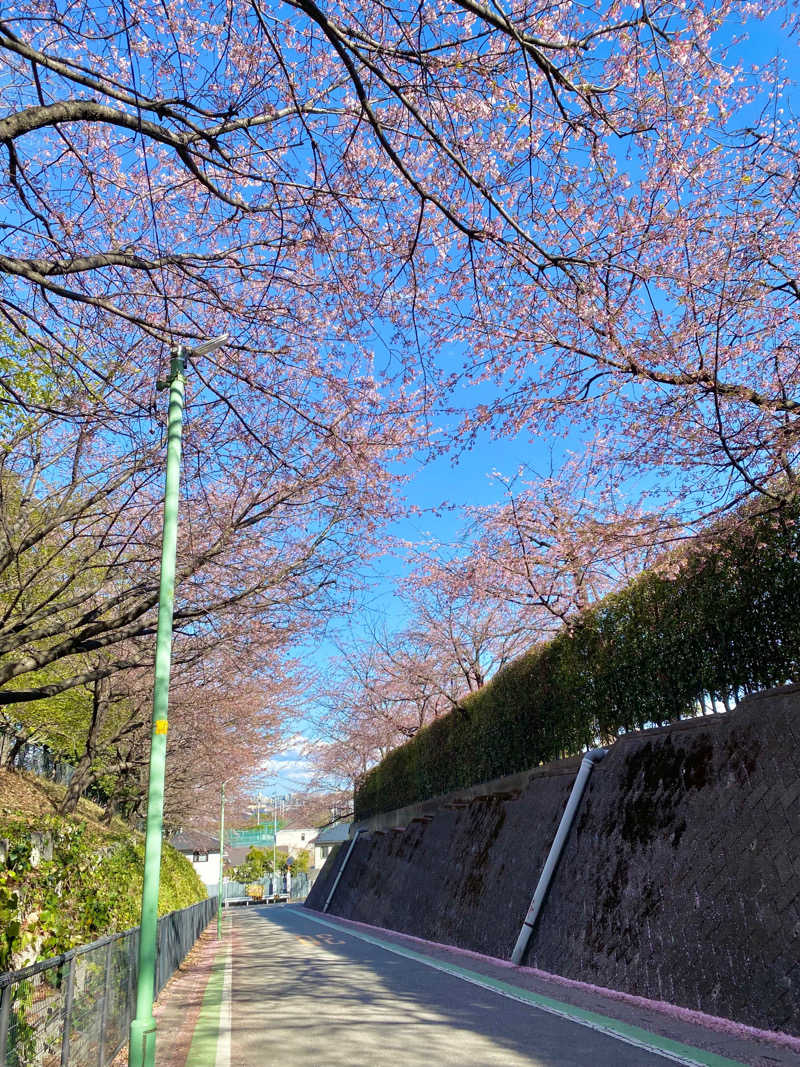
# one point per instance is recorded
(291, 769)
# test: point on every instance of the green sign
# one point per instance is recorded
(251, 837)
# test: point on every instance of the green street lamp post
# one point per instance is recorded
(221, 855)
(142, 1051)
(275, 845)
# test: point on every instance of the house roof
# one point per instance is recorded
(332, 835)
(236, 854)
(195, 841)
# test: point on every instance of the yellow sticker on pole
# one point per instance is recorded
(161, 726)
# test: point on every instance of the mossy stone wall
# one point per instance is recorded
(678, 882)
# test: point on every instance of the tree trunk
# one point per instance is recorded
(111, 809)
(9, 753)
(84, 775)
(78, 784)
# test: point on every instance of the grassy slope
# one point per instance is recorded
(91, 886)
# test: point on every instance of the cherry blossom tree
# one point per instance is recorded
(593, 206)
(585, 214)
(522, 570)
(263, 557)
(225, 728)
(350, 739)
(320, 808)
(267, 540)
(559, 542)
(458, 633)
(361, 713)
(223, 724)
(387, 684)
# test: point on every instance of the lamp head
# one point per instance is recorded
(210, 346)
(203, 349)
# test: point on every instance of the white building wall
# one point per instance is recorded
(306, 840)
(297, 840)
(207, 871)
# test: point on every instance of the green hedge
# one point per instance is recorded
(717, 618)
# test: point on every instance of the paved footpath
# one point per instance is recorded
(290, 986)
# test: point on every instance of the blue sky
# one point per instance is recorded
(463, 480)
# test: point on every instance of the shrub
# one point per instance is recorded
(92, 886)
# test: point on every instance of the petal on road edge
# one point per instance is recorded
(675, 1051)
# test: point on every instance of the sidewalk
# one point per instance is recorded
(245, 976)
(178, 1008)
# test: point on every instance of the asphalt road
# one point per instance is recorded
(306, 992)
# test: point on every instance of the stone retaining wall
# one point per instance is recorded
(680, 880)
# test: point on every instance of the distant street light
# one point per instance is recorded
(258, 805)
(142, 1051)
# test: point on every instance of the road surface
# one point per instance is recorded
(291, 986)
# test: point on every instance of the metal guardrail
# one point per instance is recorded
(75, 1009)
(272, 887)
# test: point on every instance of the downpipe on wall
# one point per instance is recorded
(340, 872)
(584, 771)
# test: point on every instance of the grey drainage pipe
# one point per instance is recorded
(340, 872)
(557, 847)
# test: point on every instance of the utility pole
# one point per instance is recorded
(221, 856)
(142, 1051)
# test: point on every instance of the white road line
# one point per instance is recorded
(224, 1040)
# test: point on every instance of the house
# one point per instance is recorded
(326, 838)
(296, 840)
(202, 851)
(314, 841)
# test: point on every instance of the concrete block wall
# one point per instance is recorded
(680, 880)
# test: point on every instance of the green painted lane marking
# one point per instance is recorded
(203, 1050)
(630, 1035)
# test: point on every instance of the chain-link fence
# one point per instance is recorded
(20, 755)
(76, 1009)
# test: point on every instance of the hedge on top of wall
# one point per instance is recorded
(717, 618)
